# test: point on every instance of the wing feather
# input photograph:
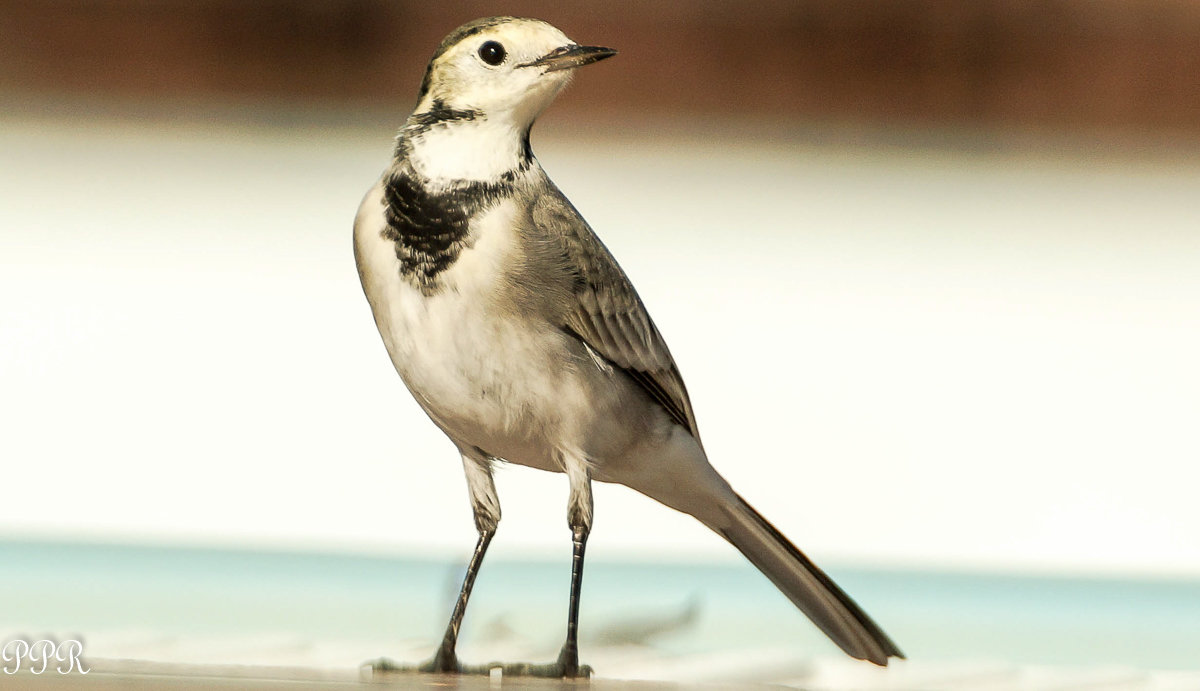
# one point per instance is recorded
(605, 311)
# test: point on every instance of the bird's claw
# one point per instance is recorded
(553, 670)
(443, 662)
(561, 669)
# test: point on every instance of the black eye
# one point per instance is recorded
(492, 53)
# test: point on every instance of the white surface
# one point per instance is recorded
(897, 355)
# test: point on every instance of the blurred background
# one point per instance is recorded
(929, 267)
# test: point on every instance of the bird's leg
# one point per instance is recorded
(579, 518)
(487, 516)
(445, 660)
(568, 659)
(486, 505)
(567, 666)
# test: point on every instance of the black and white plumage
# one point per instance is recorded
(522, 338)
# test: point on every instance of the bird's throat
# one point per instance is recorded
(468, 148)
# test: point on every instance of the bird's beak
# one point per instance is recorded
(570, 57)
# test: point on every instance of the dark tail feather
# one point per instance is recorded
(807, 586)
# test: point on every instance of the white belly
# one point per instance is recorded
(490, 377)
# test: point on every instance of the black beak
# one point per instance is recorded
(570, 57)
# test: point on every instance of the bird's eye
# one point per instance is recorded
(492, 53)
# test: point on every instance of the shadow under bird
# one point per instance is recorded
(524, 341)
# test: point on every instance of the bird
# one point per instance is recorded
(524, 341)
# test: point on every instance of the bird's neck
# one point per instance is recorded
(447, 146)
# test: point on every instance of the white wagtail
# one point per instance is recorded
(523, 340)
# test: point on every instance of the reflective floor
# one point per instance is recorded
(682, 622)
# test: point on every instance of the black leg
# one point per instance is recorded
(579, 518)
(567, 666)
(445, 659)
(569, 657)
(487, 515)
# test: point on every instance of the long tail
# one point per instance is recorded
(806, 586)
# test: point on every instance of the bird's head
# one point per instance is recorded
(503, 68)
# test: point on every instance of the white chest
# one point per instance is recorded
(478, 366)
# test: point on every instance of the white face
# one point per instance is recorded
(483, 71)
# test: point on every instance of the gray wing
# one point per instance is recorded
(605, 311)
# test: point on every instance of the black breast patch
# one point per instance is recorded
(431, 229)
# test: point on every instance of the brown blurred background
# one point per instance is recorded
(1098, 66)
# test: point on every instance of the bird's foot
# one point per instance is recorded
(553, 670)
(443, 662)
(566, 667)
